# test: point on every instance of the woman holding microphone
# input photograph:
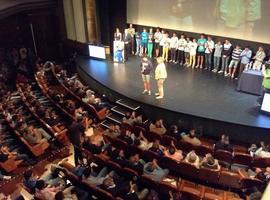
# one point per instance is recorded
(160, 76)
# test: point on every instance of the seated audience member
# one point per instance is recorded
(209, 162)
(157, 148)
(96, 148)
(34, 135)
(95, 178)
(135, 164)
(114, 185)
(127, 136)
(142, 143)
(119, 157)
(113, 131)
(173, 153)
(45, 193)
(191, 138)
(224, 144)
(134, 193)
(50, 176)
(262, 151)
(158, 127)
(29, 181)
(174, 132)
(193, 159)
(130, 118)
(154, 171)
(89, 97)
(261, 174)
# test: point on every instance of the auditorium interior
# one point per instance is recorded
(79, 121)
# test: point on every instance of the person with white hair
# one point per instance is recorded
(160, 76)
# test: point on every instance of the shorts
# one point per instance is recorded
(156, 45)
(146, 77)
(199, 53)
(144, 44)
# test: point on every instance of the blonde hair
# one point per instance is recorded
(160, 60)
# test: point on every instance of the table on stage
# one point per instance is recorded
(250, 81)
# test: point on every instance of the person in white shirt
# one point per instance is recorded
(161, 43)
(187, 51)
(181, 50)
(166, 45)
(258, 59)
(160, 76)
(157, 38)
(173, 47)
(193, 50)
(209, 47)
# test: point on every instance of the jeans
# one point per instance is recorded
(208, 60)
(225, 62)
(138, 45)
(46, 135)
(216, 62)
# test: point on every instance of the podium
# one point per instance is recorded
(118, 51)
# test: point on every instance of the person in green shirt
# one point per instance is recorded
(266, 81)
(201, 49)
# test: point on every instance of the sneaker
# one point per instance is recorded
(214, 70)
(232, 76)
(220, 72)
(6, 177)
(201, 66)
(170, 61)
(149, 92)
(159, 97)
(157, 94)
(193, 66)
(197, 66)
(144, 91)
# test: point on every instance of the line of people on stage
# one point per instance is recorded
(219, 57)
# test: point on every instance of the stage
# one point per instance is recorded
(194, 92)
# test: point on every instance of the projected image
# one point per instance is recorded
(243, 19)
(266, 103)
(96, 52)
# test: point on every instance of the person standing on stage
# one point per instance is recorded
(117, 35)
(173, 46)
(166, 46)
(266, 81)
(131, 31)
(146, 67)
(245, 58)
(192, 56)
(209, 47)
(138, 43)
(217, 56)
(127, 41)
(259, 57)
(235, 61)
(181, 50)
(160, 76)
(150, 43)
(144, 41)
(161, 43)
(226, 53)
(157, 37)
(201, 49)
(187, 51)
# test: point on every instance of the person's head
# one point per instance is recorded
(202, 36)
(192, 157)
(134, 158)
(237, 46)
(260, 48)
(210, 159)
(158, 30)
(160, 60)
(59, 195)
(117, 30)
(192, 133)
(121, 153)
(162, 31)
(209, 38)
(188, 39)
(144, 30)
(227, 41)
(108, 182)
(219, 42)
(130, 25)
(194, 40)
(223, 138)
(171, 150)
(174, 128)
(40, 184)
(174, 34)
(182, 36)
(227, 140)
(246, 48)
(156, 144)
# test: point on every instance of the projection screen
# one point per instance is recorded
(241, 19)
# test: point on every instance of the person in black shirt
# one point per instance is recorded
(146, 67)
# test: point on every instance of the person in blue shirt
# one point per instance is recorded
(245, 59)
(201, 49)
(144, 41)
